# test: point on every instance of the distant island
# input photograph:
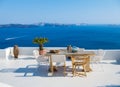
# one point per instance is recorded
(52, 25)
(40, 24)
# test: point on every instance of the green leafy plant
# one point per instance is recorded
(40, 41)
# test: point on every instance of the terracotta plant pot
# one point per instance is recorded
(42, 52)
(15, 51)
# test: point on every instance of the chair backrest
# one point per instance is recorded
(79, 59)
(81, 49)
(100, 52)
(58, 58)
(41, 58)
(35, 53)
(99, 56)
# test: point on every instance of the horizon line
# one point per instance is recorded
(40, 23)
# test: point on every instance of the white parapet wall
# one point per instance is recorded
(29, 50)
(112, 54)
(5, 54)
(8, 52)
(2, 54)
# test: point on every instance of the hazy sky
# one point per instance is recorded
(60, 11)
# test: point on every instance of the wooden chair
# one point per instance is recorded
(77, 62)
(58, 60)
(97, 58)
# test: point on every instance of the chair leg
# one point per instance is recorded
(101, 66)
(64, 70)
(52, 69)
(38, 67)
(73, 70)
(84, 70)
(47, 66)
(78, 73)
(74, 73)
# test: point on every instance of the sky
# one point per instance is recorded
(60, 11)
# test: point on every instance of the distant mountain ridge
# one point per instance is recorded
(35, 25)
(51, 25)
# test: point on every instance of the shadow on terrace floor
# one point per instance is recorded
(22, 58)
(42, 71)
(110, 86)
(34, 70)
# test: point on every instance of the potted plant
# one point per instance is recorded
(40, 41)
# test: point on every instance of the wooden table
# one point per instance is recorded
(84, 53)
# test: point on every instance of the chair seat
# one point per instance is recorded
(58, 64)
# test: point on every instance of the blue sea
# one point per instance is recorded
(88, 36)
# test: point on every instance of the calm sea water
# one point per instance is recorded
(88, 37)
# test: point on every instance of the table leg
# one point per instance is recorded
(50, 68)
(88, 69)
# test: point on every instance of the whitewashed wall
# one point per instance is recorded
(29, 50)
(112, 54)
(6, 53)
(2, 54)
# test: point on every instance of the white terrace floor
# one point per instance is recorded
(23, 72)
